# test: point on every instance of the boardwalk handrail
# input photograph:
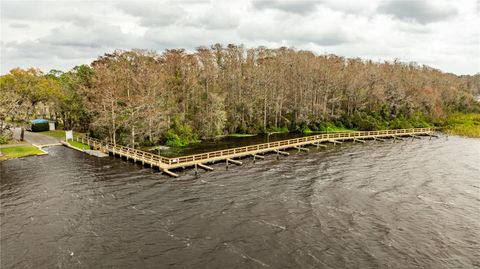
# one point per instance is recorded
(134, 153)
(343, 136)
(158, 159)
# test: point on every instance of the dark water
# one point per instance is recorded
(412, 204)
(226, 142)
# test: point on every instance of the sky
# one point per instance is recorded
(60, 34)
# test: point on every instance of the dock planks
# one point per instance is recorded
(166, 164)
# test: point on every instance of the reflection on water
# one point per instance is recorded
(412, 204)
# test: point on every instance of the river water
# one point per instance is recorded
(410, 204)
(208, 145)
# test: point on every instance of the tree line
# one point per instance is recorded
(140, 97)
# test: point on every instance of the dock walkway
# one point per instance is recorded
(166, 164)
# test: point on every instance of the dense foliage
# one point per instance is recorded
(141, 97)
(464, 124)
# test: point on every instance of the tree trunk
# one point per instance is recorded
(133, 136)
(265, 114)
(113, 126)
(150, 138)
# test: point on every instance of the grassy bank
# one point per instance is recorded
(19, 151)
(58, 134)
(463, 124)
(240, 135)
(12, 142)
(78, 145)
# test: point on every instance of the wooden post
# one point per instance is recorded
(319, 145)
(255, 156)
(235, 162)
(335, 142)
(205, 167)
(166, 171)
(194, 160)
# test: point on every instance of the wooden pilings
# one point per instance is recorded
(168, 172)
(201, 165)
(255, 156)
(227, 155)
(227, 161)
(395, 138)
(205, 167)
(301, 148)
(235, 161)
(432, 135)
(258, 156)
(415, 136)
(335, 142)
(281, 152)
(319, 145)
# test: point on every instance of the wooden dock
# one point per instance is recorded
(228, 155)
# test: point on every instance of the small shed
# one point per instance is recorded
(40, 125)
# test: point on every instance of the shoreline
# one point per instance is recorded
(22, 151)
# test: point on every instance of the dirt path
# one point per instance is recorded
(36, 138)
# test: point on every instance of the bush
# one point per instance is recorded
(277, 130)
(253, 129)
(303, 128)
(173, 139)
(326, 127)
(181, 136)
(346, 122)
(242, 128)
(400, 123)
(365, 122)
(420, 121)
(4, 139)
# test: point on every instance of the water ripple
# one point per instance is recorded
(409, 204)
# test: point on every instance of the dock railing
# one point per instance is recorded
(165, 162)
(300, 140)
(122, 150)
